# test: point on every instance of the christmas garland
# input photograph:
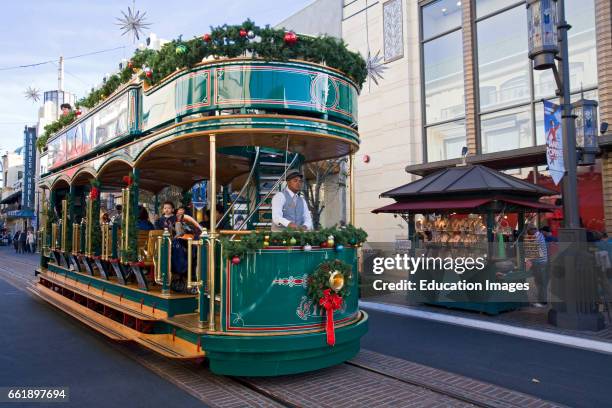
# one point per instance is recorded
(226, 41)
(340, 237)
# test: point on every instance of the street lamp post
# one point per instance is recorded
(548, 48)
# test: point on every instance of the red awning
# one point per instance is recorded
(400, 207)
(536, 205)
(432, 205)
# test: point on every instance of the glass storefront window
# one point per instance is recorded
(506, 130)
(445, 141)
(484, 7)
(503, 65)
(441, 16)
(444, 94)
(582, 49)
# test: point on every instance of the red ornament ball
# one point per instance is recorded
(207, 37)
(78, 112)
(290, 38)
(149, 74)
(236, 260)
(243, 32)
(323, 244)
(130, 64)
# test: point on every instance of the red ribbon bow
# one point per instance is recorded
(330, 302)
(95, 193)
(127, 180)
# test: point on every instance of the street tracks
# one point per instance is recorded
(369, 380)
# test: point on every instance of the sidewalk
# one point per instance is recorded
(528, 322)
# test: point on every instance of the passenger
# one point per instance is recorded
(167, 219)
(143, 220)
(186, 224)
(289, 209)
(104, 218)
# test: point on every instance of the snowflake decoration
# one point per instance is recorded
(133, 23)
(32, 94)
(375, 67)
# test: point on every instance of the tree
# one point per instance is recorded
(315, 177)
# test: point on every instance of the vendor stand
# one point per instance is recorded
(469, 211)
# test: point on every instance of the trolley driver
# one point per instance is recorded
(289, 209)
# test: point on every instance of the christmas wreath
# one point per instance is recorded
(328, 285)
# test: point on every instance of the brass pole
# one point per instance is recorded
(64, 224)
(352, 188)
(212, 234)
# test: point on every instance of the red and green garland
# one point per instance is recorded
(322, 292)
(226, 41)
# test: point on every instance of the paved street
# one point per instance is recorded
(101, 373)
(41, 347)
(566, 375)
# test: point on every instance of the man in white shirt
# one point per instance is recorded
(289, 209)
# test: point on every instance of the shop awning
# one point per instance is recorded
(12, 198)
(536, 205)
(458, 205)
(429, 205)
(20, 214)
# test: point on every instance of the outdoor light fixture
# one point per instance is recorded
(586, 130)
(542, 33)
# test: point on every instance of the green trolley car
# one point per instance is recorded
(246, 306)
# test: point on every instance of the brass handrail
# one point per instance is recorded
(76, 238)
(198, 282)
(157, 275)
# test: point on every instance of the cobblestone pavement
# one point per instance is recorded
(369, 380)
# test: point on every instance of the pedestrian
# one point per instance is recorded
(31, 241)
(538, 258)
(22, 242)
(16, 241)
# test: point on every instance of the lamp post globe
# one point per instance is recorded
(587, 130)
(542, 19)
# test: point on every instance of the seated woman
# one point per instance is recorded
(179, 226)
(143, 223)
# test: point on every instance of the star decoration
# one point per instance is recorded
(32, 94)
(133, 23)
(375, 67)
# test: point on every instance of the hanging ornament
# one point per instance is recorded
(243, 33)
(330, 241)
(307, 248)
(149, 74)
(133, 23)
(78, 112)
(375, 67)
(339, 247)
(284, 242)
(250, 34)
(181, 49)
(266, 244)
(32, 94)
(292, 241)
(323, 244)
(130, 64)
(236, 260)
(290, 38)
(207, 38)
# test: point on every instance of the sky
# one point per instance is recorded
(41, 30)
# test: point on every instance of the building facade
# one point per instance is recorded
(10, 193)
(457, 75)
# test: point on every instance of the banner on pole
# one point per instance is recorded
(29, 171)
(554, 141)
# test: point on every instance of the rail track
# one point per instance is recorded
(357, 383)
